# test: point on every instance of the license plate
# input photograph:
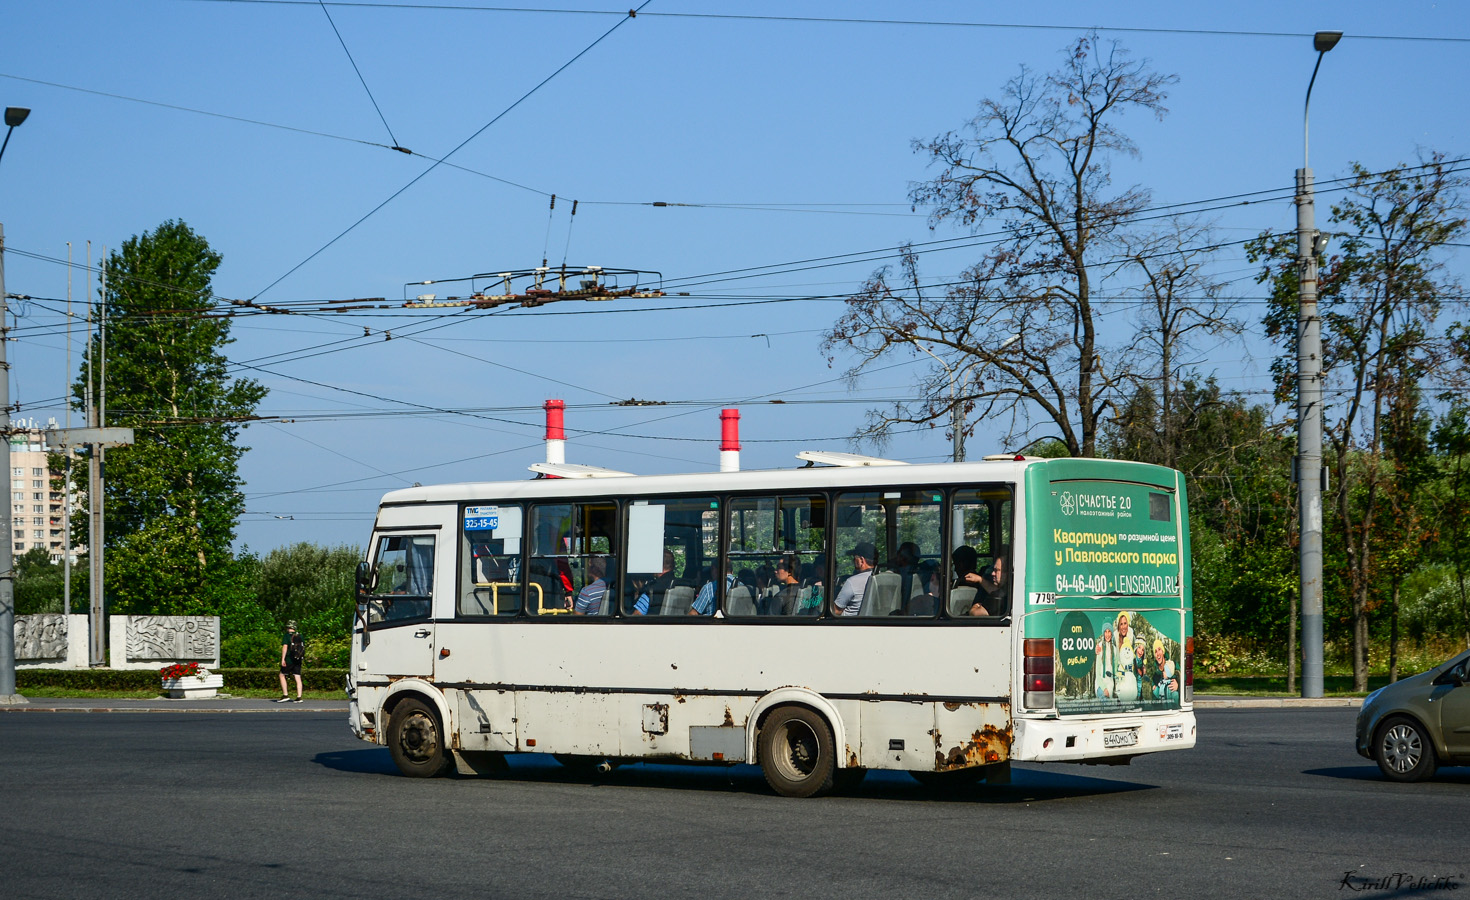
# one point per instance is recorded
(1120, 738)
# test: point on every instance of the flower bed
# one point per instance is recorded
(190, 681)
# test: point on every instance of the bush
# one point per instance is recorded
(90, 679)
(268, 679)
(329, 652)
(32, 680)
(258, 650)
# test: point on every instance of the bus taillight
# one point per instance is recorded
(1038, 667)
(1188, 669)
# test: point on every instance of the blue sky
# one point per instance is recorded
(727, 112)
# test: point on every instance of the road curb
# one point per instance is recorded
(1277, 702)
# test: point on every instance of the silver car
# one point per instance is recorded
(1412, 726)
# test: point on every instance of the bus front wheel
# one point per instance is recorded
(416, 741)
(797, 752)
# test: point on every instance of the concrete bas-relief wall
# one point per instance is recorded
(51, 641)
(150, 642)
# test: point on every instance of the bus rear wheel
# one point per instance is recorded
(416, 741)
(797, 752)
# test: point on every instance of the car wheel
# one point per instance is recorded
(1403, 750)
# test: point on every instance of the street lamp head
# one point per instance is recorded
(14, 115)
(1323, 41)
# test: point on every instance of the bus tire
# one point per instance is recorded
(416, 740)
(1403, 750)
(797, 753)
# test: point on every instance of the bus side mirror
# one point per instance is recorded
(367, 578)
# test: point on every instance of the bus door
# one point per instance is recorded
(398, 639)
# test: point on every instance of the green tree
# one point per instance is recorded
(40, 584)
(1381, 296)
(1235, 463)
(1452, 440)
(173, 497)
(316, 586)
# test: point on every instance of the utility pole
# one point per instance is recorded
(8, 696)
(1309, 468)
(97, 653)
(66, 478)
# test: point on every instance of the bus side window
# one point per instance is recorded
(405, 565)
(981, 581)
(902, 530)
(776, 560)
(491, 579)
(573, 567)
(669, 558)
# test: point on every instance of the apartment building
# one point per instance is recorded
(37, 508)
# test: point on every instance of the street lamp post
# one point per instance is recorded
(14, 115)
(1309, 401)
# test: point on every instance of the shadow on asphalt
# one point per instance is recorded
(376, 761)
(1459, 775)
(1027, 786)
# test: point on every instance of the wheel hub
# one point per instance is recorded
(419, 740)
(1402, 748)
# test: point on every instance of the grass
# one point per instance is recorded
(1275, 685)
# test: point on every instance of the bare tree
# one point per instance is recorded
(1179, 304)
(1037, 161)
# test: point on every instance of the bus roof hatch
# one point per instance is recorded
(572, 470)
(834, 458)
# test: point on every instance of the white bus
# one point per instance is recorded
(818, 621)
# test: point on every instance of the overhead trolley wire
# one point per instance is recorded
(481, 130)
(374, 100)
(839, 20)
(201, 112)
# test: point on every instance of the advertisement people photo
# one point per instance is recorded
(293, 651)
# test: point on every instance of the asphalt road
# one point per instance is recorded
(1273, 803)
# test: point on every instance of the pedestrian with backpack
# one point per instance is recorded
(293, 651)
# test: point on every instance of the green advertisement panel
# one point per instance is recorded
(1106, 538)
(1118, 661)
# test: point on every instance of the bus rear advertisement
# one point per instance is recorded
(1109, 565)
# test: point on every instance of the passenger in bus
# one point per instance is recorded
(994, 585)
(787, 599)
(964, 560)
(704, 601)
(589, 599)
(811, 588)
(926, 603)
(650, 593)
(906, 565)
(849, 597)
(766, 588)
